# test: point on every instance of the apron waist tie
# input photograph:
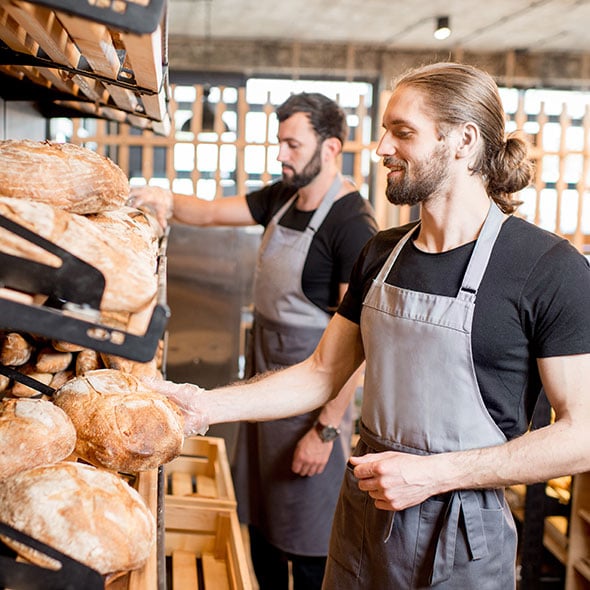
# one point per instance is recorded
(462, 501)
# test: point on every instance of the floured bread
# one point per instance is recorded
(129, 266)
(63, 175)
(33, 432)
(89, 514)
(120, 423)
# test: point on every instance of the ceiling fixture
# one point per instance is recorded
(443, 28)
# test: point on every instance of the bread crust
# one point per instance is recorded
(89, 514)
(129, 265)
(33, 432)
(63, 175)
(120, 423)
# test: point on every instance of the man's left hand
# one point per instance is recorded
(311, 455)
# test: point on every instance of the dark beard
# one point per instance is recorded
(430, 174)
(309, 172)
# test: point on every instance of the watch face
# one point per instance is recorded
(329, 433)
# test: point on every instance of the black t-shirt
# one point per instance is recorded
(533, 302)
(334, 247)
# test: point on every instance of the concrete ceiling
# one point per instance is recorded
(477, 25)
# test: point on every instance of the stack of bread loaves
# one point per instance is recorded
(62, 457)
(90, 514)
(76, 199)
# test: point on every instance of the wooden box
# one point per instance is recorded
(201, 472)
(146, 577)
(204, 547)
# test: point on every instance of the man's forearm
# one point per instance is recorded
(539, 455)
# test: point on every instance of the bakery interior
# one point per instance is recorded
(181, 94)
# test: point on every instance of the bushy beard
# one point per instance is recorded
(309, 172)
(429, 174)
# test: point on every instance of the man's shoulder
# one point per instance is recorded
(266, 201)
(352, 205)
(525, 239)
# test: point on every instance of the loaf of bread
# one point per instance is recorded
(15, 349)
(120, 423)
(21, 390)
(128, 265)
(63, 175)
(89, 514)
(33, 432)
(50, 360)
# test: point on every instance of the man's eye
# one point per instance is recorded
(402, 134)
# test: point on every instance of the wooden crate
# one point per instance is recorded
(204, 547)
(146, 577)
(201, 472)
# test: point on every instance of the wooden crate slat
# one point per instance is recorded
(94, 42)
(207, 487)
(155, 105)
(122, 97)
(181, 483)
(196, 543)
(184, 570)
(215, 573)
(14, 35)
(192, 514)
(144, 53)
(205, 459)
(42, 25)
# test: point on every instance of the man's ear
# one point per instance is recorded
(332, 147)
(468, 140)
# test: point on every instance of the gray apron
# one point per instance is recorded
(293, 512)
(421, 396)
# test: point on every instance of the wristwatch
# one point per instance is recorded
(327, 432)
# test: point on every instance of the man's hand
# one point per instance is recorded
(311, 455)
(157, 201)
(395, 481)
(186, 397)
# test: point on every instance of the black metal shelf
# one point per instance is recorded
(127, 15)
(74, 292)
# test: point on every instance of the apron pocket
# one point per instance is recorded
(348, 529)
(449, 559)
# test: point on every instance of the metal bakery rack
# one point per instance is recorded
(91, 58)
(71, 312)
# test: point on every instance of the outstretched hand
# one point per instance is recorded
(186, 397)
(158, 201)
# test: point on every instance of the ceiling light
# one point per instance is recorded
(443, 28)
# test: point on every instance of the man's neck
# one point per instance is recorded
(452, 221)
(311, 195)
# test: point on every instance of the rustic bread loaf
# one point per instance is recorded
(63, 175)
(15, 349)
(129, 266)
(19, 389)
(50, 360)
(88, 360)
(33, 432)
(120, 423)
(89, 514)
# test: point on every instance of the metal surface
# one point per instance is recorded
(71, 575)
(210, 273)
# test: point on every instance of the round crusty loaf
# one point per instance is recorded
(120, 423)
(33, 432)
(63, 175)
(89, 514)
